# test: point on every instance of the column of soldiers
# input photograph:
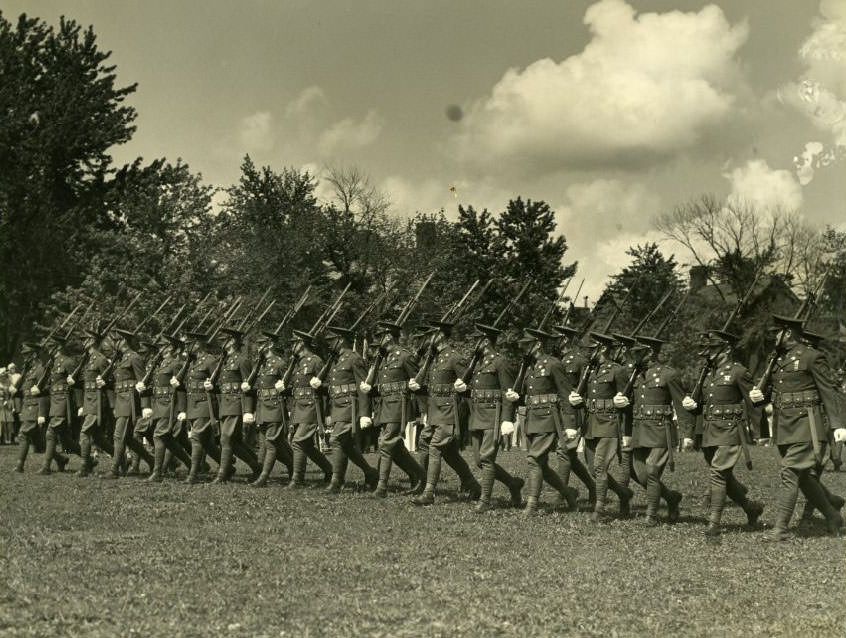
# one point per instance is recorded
(199, 393)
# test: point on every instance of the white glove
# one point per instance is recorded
(181, 416)
(365, 387)
(689, 404)
(147, 413)
(208, 385)
(413, 385)
(459, 385)
(279, 385)
(571, 433)
(315, 383)
(249, 417)
(41, 420)
(100, 381)
(627, 442)
(506, 428)
(13, 390)
(70, 380)
(575, 399)
(621, 400)
(34, 391)
(140, 387)
(245, 387)
(840, 435)
(174, 382)
(79, 411)
(756, 396)
(365, 422)
(687, 444)
(511, 395)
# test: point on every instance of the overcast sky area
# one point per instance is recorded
(611, 111)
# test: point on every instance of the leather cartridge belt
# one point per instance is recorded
(343, 390)
(653, 411)
(535, 401)
(125, 385)
(195, 386)
(804, 399)
(90, 385)
(716, 412)
(231, 387)
(441, 389)
(485, 396)
(395, 387)
(601, 406)
(162, 391)
(60, 387)
(303, 392)
(269, 393)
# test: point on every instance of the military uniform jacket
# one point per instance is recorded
(603, 384)
(347, 401)
(93, 396)
(305, 408)
(163, 392)
(236, 367)
(658, 394)
(201, 368)
(34, 406)
(491, 380)
(62, 366)
(398, 367)
(545, 391)
(804, 389)
(442, 405)
(725, 406)
(128, 371)
(270, 404)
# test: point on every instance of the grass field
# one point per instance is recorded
(90, 557)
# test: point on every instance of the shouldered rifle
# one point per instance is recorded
(292, 311)
(52, 354)
(333, 355)
(249, 327)
(253, 307)
(154, 314)
(561, 296)
(61, 326)
(157, 358)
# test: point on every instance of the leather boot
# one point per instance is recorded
(427, 497)
(159, 450)
(516, 488)
(653, 497)
(22, 453)
(718, 502)
(196, 462)
(486, 488)
(224, 471)
(117, 458)
(85, 453)
(674, 500)
(299, 465)
(49, 453)
(814, 491)
(566, 494)
(531, 508)
(381, 490)
(267, 468)
(787, 497)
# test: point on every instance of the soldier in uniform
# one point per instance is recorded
(803, 396)
(725, 409)
(62, 409)
(234, 405)
(394, 410)
(492, 409)
(603, 426)
(144, 428)
(168, 404)
(202, 405)
(307, 410)
(658, 394)
(96, 407)
(128, 375)
(270, 415)
(7, 409)
(350, 409)
(443, 387)
(35, 407)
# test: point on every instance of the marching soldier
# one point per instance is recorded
(234, 405)
(168, 404)
(270, 415)
(725, 409)
(394, 410)
(96, 407)
(658, 394)
(350, 409)
(35, 407)
(144, 426)
(443, 386)
(803, 396)
(492, 410)
(61, 407)
(201, 405)
(307, 410)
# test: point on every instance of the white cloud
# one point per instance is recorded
(255, 132)
(767, 189)
(425, 196)
(350, 134)
(307, 102)
(646, 86)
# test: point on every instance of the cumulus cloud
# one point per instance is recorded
(408, 197)
(350, 134)
(765, 188)
(255, 132)
(306, 102)
(646, 86)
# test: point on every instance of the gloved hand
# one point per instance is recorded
(41, 420)
(459, 385)
(140, 387)
(315, 383)
(575, 399)
(365, 422)
(511, 395)
(245, 387)
(100, 382)
(208, 386)
(621, 401)
(571, 433)
(249, 417)
(756, 396)
(689, 404)
(627, 442)
(506, 428)
(413, 385)
(80, 411)
(840, 435)
(365, 387)
(181, 416)
(34, 391)
(70, 380)
(174, 382)
(687, 444)
(279, 385)
(13, 390)
(147, 413)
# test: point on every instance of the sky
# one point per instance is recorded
(612, 111)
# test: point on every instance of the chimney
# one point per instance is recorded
(698, 277)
